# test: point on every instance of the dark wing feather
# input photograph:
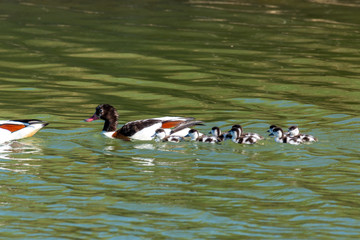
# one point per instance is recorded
(131, 128)
(185, 125)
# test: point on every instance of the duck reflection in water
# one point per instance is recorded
(11, 151)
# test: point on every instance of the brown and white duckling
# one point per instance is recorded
(238, 138)
(195, 135)
(216, 132)
(161, 136)
(253, 135)
(280, 137)
(270, 130)
(295, 132)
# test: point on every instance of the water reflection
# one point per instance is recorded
(144, 161)
(336, 2)
(255, 63)
(18, 157)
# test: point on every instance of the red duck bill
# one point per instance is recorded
(94, 117)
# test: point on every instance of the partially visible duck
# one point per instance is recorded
(270, 130)
(161, 136)
(280, 137)
(195, 135)
(18, 129)
(216, 132)
(253, 135)
(295, 132)
(139, 129)
(242, 139)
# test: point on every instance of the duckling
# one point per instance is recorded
(280, 137)
(216, 132)
(195, 135)
(160, 136)
(295, 132)
(238, 138)
(270, 130)
(253, 135)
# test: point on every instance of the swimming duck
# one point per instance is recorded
(161, 136)
(253, 135)
(270, 130)
(216, 132)
(280, 137)
(18, 129)
(139, 129)
(295, 132)
(195, 135)
(242, 139)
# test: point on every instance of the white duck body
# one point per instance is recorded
(18, 129)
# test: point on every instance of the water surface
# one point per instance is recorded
(224, 62)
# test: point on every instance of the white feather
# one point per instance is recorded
(146, 134)
(27, 131)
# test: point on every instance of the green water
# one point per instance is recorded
(255, 63)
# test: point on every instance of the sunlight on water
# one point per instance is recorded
(253, 63)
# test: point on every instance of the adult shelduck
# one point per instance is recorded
(140, 129)
(17, 129)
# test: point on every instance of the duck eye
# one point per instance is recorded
(99, 111)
